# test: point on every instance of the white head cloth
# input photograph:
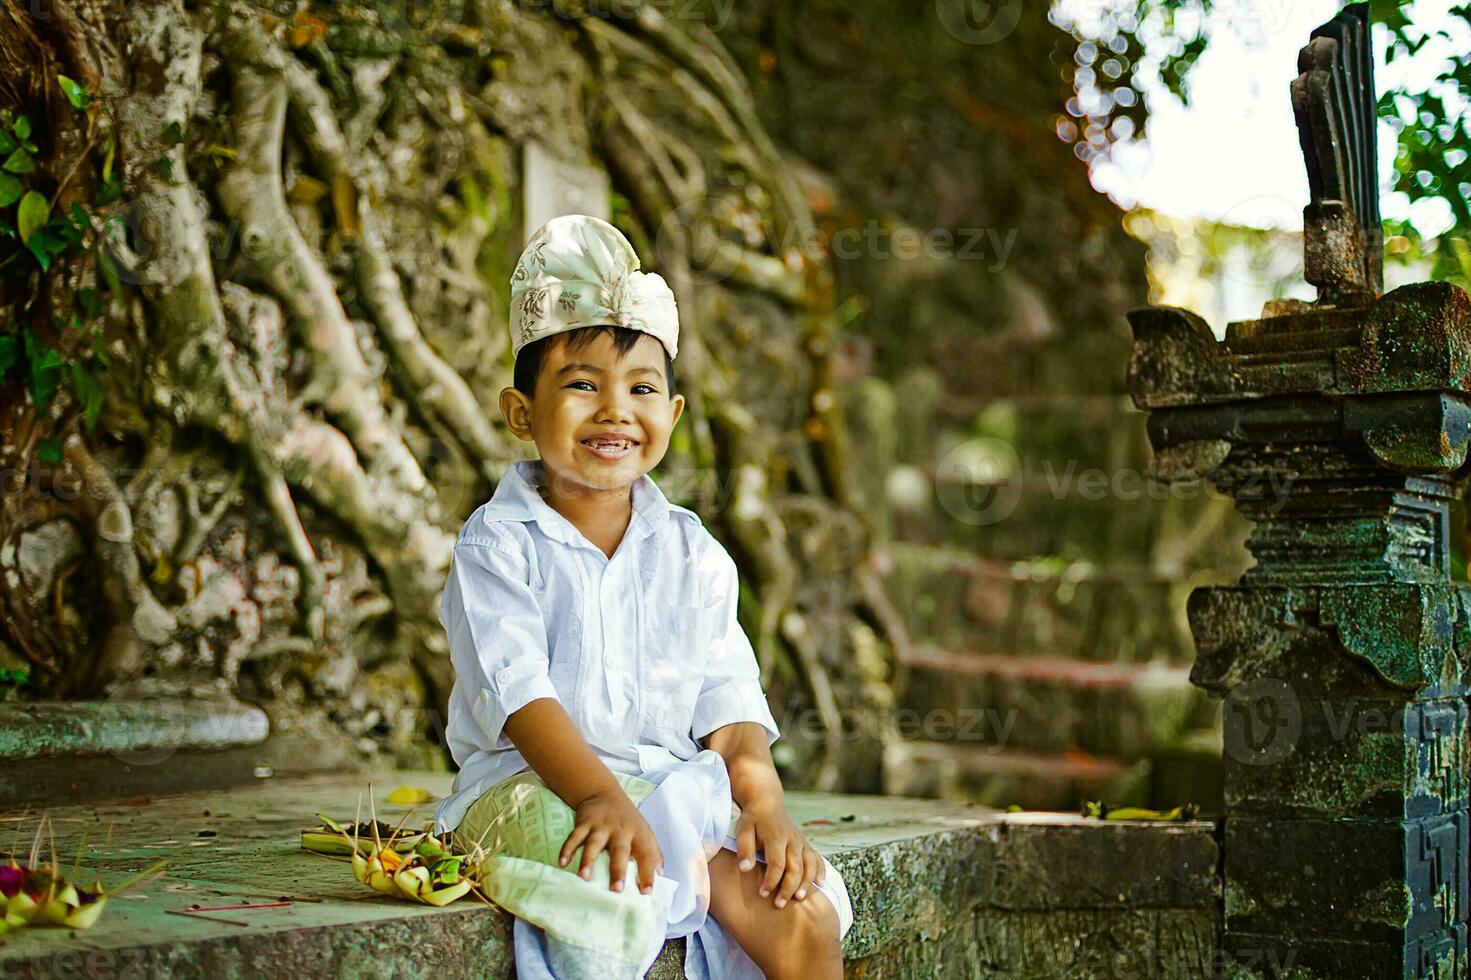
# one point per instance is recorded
(579, 271)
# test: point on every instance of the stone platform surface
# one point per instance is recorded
(939, 889)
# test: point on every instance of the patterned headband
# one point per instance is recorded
(579, 271)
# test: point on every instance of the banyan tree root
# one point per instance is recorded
(139, 622)
(271, 356)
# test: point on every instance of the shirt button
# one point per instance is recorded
(503, 675)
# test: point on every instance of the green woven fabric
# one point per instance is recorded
(524, 824)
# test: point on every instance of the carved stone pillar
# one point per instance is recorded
(1341, 430)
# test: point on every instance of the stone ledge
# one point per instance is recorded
(931, 881)
(70, 728)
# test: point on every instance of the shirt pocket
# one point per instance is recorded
(675, 652)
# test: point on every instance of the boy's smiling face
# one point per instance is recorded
(588, 393)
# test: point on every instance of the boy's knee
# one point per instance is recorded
(809, 947)
(813, 925)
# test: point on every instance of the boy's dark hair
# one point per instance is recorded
(529, 359)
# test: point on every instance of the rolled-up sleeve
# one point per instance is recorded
(732, 690)
(497, 636)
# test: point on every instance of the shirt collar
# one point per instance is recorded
(516, 498)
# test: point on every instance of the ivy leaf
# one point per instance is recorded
(10, 190)
(99, 349)
(89, 392)
(109, 191)
(166, 167)
(75, 94)
(43, 258)
(7, 143)
(81, 218)
(109, 273)
(45, 370)
(22, 127)
(32, 214)
(20, 162)
(173, 133)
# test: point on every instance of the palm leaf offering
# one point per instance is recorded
(33, 894)
(417, 867)
(334, 838)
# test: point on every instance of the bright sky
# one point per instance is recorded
(1233, 154)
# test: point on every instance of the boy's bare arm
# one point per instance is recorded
(753, 778)
(791, 862)
(546, 735)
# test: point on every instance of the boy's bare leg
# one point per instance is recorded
(798, 940)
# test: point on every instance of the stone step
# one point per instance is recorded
(55, 752)
(1107, 613)
(1090, 522)
(1000, 776)
(35, 729)
(939, 889)
(1043, 702)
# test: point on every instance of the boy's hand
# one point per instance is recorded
(609, 820)
(791, 863)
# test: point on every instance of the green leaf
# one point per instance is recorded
(20, 162)
(42, 256)
(45, 370)
(48, 451)
(80, 217)
(166, 167)
(99, 349)
(108, 157)
(7, 142)
(90, 392)
(173, 133)
(8, 354)
(65, 234)
(75, 94)
(32, 214)
(10, 190)
(109, 274)
(22, 127)
(109, 191)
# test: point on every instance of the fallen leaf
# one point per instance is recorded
(410, 796)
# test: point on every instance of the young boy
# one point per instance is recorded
(607, 710)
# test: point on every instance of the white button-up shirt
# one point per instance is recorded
(643, 649)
